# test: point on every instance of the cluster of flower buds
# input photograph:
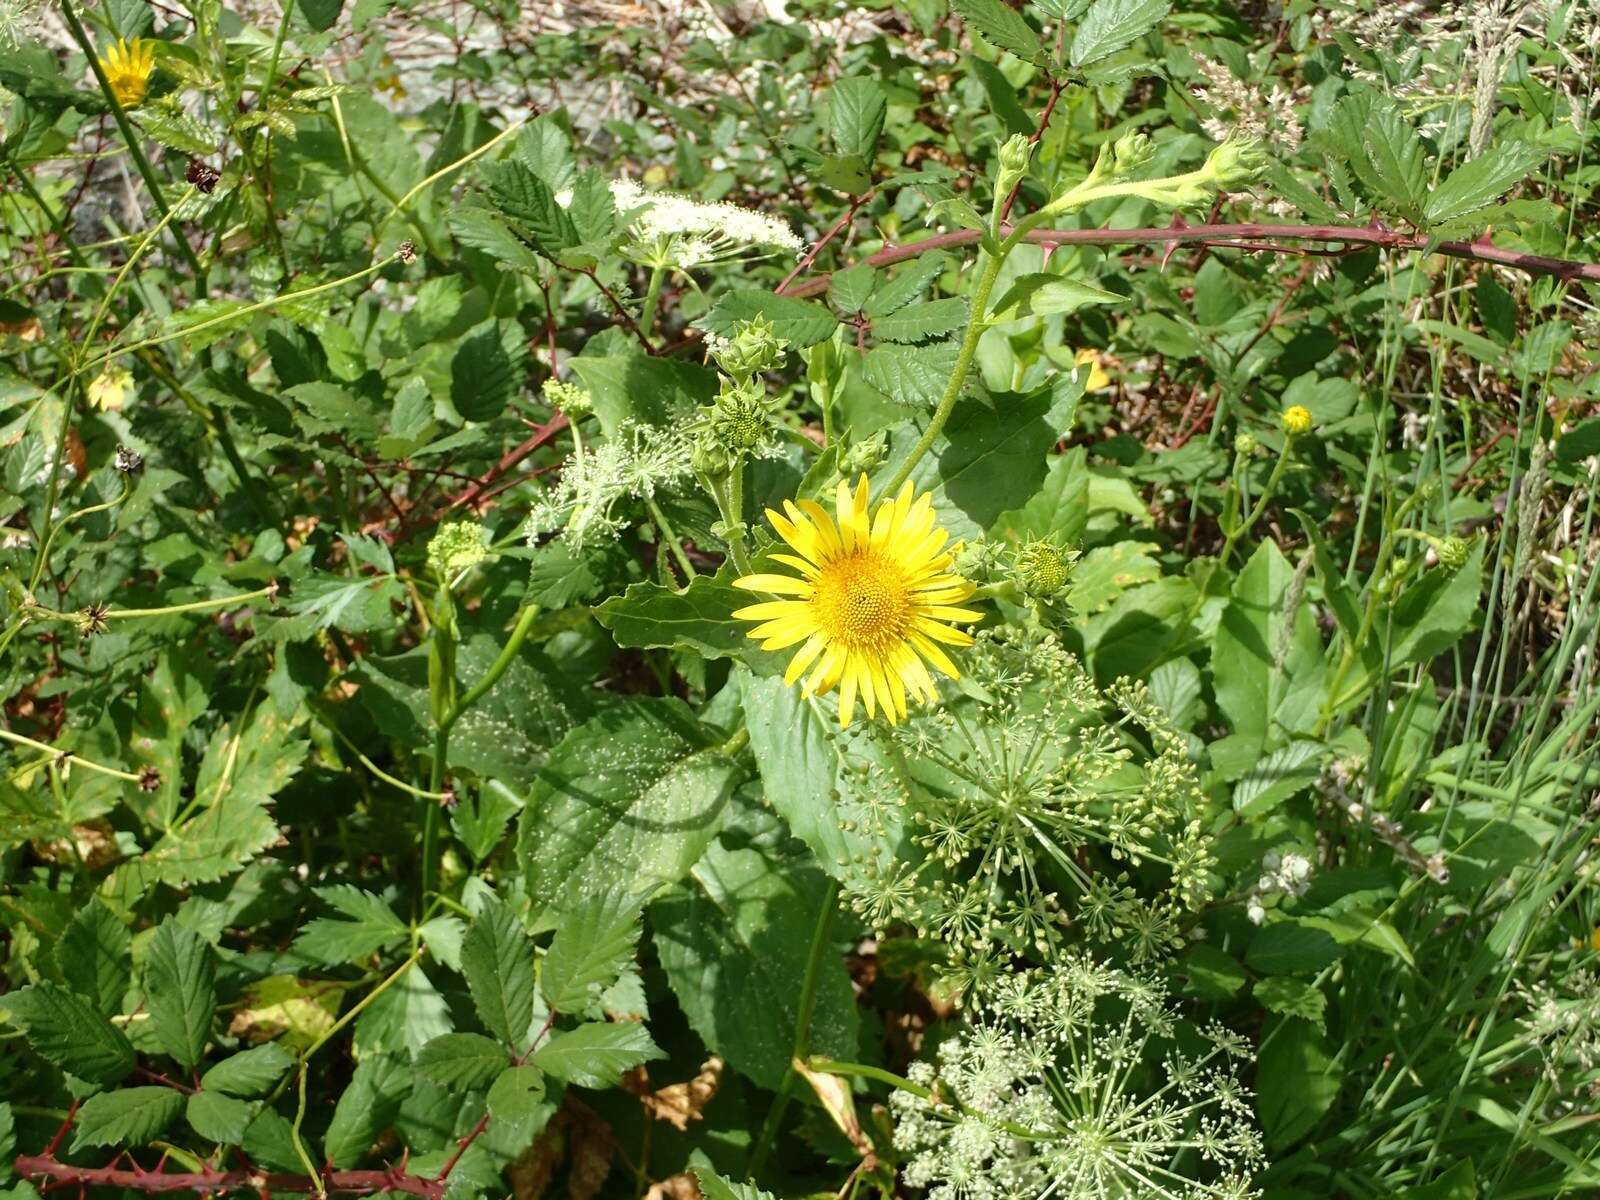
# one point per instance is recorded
(568, 399)
(456, 546)
(754, 347)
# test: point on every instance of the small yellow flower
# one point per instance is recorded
(127, 67)
(875, 599)
(109, 389)
(1297, 420)
(1098, 378)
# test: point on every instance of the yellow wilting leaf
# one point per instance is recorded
(110, 388)
(295, 1011)
(835, 1095)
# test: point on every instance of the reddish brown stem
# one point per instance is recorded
(477, 492)
(210, 1181)
(1038, 132)
(1260, 237)
(811, 255)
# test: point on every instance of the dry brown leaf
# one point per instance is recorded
(531, 1173)
(836, 1097)
(591, 1145)
(677, 1103)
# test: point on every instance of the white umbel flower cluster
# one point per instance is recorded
(671, 230)
(1081, 1085)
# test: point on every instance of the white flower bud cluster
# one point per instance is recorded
(1281, 874)
(694, 233)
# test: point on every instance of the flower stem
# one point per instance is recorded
(670, 536)
(958, 376)
(652, 300)
(131, 137)
(67, 756)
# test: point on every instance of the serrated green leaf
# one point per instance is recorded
(909, 282)
(1112, 25)
(94, 953)
(531, 203)
(321, 15)
(799, 322)
(593, 943)
(1478, 183)
(461, 1062)
(497, 959)
(1002, 95)
(633, 794)
(250, 1072)
(65, 1030)
(915, 376)
(1290, 948)
(848, 290)
(734, 941)
(8, 1138)
(719, 1187)
(918, 322)
(365, 1109)
(129, 1117)
(487, 370)
(697, 618)
(218, 1118)
(1043, 295)
(595, 1055)
(517, 1093)
(181, 991)
(368, 925)
(1001, 26)
(482, 230)
(1292, 997)
(1382, 149)
(857, 106)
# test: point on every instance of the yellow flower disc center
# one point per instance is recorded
(861, 600)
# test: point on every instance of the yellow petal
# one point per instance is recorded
(784, 585)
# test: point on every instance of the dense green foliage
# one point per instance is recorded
(394, 798)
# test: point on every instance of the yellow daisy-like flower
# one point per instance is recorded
(1098, 378)
(127, 67)
(876, 597)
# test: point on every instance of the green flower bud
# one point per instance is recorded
(1014, 156)
(1237, 163)
(1131, 152)
(1452, 552)
(1043, 570)
(1244, 445)
(456, 546)
(754, 347)
(568, 398)
(709, 457)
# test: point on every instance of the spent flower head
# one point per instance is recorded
(1080, 1084)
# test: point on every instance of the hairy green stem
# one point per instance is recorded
(652, 300)
(66, 756)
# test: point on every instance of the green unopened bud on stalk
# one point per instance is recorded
(1452, 552)
(1043, 569)
(1237, 163)
(1130, 153)
(1014, 156)
(1244, 445)
(753, 348)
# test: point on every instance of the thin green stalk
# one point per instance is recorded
(441, 737)
(43, 556)
(120, 614)
(1262, 500)
(131, 137)
(652, 299)
(66, 756)
(958, 375)
(670, 536)
(802, 1029)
